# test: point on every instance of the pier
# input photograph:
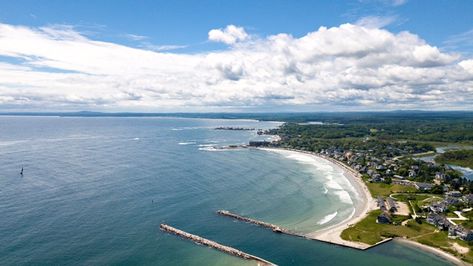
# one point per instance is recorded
(273, 227)
(278, 229)
(215, 245)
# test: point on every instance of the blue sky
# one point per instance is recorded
(176, 35)
(187, 22)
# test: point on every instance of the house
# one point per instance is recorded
(423, 186)
(454, 193)
(377, 178)
(440, 176)
(452, 201)
(384, 218)
(391, 204)
(439, 221)
(380, 167)
(468, 199)
(403, 182)
(460, 232)
(399, 177)
(438, 207)
(380, 203)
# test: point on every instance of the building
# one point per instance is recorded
(391, 204)
(455, 194)
(380, 203)
(384, 218)
(423, 186)
(460, 232)
(438, 207)
(468, 199)
(439, 221)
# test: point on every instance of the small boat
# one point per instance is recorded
(21, 172)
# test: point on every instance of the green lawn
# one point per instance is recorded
(416, 197)
(382, 189)
(368, 231)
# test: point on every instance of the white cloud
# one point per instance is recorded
(135, 37)
(229, 35)
(375, 21)
(344, 67)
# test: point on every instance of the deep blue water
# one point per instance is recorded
(95, 190)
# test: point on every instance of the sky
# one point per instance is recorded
(238, 56)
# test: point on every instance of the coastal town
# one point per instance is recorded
(416, 198)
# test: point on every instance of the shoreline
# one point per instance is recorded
(365, 204)
(436, 251)
(332, 234)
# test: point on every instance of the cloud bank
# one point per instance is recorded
(349, 67)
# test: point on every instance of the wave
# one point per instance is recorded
(209, 148)
(344, 196)
(187, 143)
(335, 180)
(325, 190)
(11, 142)
(327, 218)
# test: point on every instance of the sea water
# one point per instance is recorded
(94, 191)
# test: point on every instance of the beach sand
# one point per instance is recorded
(436, 251)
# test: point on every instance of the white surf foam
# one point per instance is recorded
(336, 182)
(325, 190)
(206, 145)
(187, 143)
(327, 218)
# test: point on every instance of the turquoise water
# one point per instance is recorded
(95, 190)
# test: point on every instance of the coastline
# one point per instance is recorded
(332, 234)
(438, 252)
(365, 203)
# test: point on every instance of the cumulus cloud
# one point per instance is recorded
(229, 35)
(346, 67)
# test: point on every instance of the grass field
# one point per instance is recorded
(381, 189)
(368, 231)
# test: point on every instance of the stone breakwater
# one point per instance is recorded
(273, 227)
(213, 244)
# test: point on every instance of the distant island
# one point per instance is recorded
(234, 128)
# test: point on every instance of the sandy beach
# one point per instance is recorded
(362, 206)
(436, 251)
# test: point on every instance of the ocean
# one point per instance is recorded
(94, 191)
